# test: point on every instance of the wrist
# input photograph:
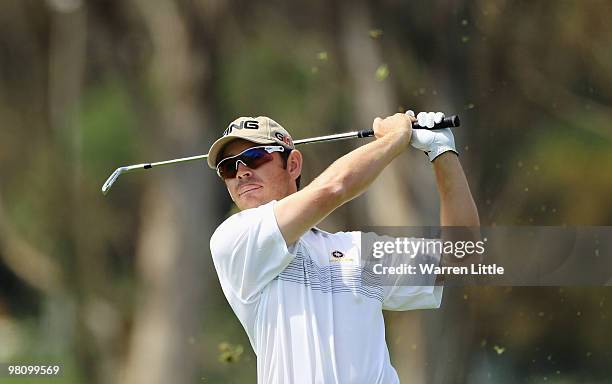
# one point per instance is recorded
(441, 151)
(448, 154)
(398, 139)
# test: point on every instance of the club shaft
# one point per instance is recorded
(447, 122)
(182, 160)
(338, 136)
(451, 121)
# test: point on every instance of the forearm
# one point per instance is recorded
(351, 174)
(345, 179)
(457, 207)
(342, 181)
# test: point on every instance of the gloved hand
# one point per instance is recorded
(432, 142)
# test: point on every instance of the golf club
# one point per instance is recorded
(447, 122)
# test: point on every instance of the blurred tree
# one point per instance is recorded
(173, 242)
(122, 289)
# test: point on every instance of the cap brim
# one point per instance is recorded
(217, 147)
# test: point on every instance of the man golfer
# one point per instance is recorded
(308, 317)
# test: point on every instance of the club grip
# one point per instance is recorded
(447, 122)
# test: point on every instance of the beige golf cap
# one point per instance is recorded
(260, 130)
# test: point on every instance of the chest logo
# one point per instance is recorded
(337, 254)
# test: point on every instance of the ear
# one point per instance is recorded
(294, 164)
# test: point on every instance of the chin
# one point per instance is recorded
(252, 201)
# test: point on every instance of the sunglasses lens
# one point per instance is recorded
(253, 158)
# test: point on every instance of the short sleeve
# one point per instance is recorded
(404, 298)
(402, 292)
(249, 251)
(426, 295)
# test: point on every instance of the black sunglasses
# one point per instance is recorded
(253, 158)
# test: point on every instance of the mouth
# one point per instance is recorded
(248, 188)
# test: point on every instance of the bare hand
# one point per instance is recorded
(399, 125)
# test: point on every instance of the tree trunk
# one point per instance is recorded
(173, 248)
(389, 200)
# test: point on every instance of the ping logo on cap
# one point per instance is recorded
(244, 124)
(284, 139)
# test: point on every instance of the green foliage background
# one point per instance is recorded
(87, 86)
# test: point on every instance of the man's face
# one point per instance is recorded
(254, 187)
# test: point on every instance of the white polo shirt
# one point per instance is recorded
(308, 317)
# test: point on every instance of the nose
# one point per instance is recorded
(243, 170)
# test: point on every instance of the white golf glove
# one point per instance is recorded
(433, 143)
